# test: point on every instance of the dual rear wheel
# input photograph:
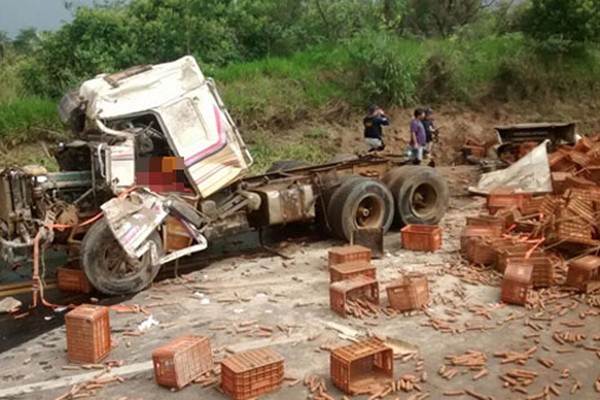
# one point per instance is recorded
(405, 195)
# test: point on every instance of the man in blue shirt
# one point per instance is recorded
(373, 128)
(418, 138)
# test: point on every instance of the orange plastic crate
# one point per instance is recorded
(409, 292)
(582, 271)
(251, 373)
(340, 272)
(179, 362)
(355, 367)
(88, 334)
(421, 237)
(345, 254)
(516, 283)
(72, 280)
(360, 287)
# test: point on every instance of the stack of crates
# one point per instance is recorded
(352, 277)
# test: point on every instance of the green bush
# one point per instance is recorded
(28, 120)
(387, 69)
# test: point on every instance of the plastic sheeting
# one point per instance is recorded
(531, 174)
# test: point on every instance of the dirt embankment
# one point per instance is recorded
(458, 124)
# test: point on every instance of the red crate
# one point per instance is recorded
(534, 205)
(582, 271)
(559, 180)
(560, 162)
(72, 280)
(506, 198)
(477, 231)
(358, 367)
(345, 254)
(179, 362)
(359, 288)
(482, 250)
(516, 283)
(88, 334)
(421, 237)
(542, 274)
(486, 221)
(252, 373)
(513, 251)
(409, 292)
(341, 272)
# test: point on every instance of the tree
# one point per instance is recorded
(26, 41)
(562, 25)
(443, 17)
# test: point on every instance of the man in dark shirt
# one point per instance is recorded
(430, 130)
(373, 128)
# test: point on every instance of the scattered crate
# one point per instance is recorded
(487, 221)
(72, 280)
(345, 254)
(409, 292)
(472, 231)
(506, 198)
(516, 283)
(582, 271)
(542, 274)
(358, 288)
(179, 362)
(88, 334)
(341, 272)
(421, 237)
(356, 367)
(251, 373)
(559, 179)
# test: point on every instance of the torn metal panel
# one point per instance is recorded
(132, 219)
(531, 174)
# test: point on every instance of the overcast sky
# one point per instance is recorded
(40, 14)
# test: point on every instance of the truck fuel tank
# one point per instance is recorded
(284, 204)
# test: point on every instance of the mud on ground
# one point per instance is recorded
(291, 299)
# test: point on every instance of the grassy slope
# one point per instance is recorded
(285, 106)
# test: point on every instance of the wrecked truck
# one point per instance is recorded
(159, 170)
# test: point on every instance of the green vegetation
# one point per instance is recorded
(282, 64)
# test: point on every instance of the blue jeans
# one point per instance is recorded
(417, 152)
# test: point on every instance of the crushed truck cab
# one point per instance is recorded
(159, 170)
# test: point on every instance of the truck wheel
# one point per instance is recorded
(360, 203)
(108, 267)
(284, 165)
(420, 195)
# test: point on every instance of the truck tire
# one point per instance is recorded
(360, 202)
(420, 195)
(285, 165)
(107, 266)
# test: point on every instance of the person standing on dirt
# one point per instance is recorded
(430, 131)
(418, 138)
(373, 128)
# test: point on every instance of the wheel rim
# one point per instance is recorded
(117, 264)
(423, 200)
(369, 212)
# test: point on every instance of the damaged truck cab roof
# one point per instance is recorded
(192, 116)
